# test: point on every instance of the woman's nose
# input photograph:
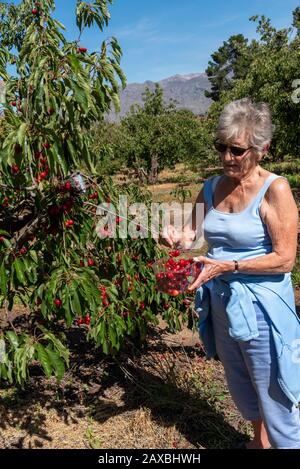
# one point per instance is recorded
(227, 155)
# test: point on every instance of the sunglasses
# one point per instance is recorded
(235, 151)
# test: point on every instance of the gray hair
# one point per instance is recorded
(245, 115)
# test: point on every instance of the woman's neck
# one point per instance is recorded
(246, 178)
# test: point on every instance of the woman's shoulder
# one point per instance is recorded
(273, 180)
(278, 186)
(276, 181)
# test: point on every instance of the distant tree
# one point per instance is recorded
(229, 62)
(109, 144)
(269, 77)
(296, 19)
(158, 135)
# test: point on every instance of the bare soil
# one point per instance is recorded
(163, 394)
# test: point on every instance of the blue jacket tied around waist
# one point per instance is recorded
(275, 295)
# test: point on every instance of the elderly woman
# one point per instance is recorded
(244, 293)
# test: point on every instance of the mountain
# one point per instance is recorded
(187, 90)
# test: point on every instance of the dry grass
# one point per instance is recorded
(165, 395)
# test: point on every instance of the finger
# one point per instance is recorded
(200, 259)
(198, 282)
(166, 238)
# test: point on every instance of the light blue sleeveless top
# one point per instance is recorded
(241, 235)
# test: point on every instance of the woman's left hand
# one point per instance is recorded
(211, 269)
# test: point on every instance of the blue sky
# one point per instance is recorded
(161, 38)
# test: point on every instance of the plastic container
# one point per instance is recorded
(175, 273)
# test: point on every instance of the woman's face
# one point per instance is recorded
(239, 166)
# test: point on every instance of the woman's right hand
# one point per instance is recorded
(172, 237)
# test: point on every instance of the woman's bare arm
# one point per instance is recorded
(281, 218)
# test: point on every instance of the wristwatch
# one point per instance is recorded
(236, 267)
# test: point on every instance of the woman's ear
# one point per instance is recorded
(262, 153)
(259, 156)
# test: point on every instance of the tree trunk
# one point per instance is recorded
(142, 175)
(152, 178)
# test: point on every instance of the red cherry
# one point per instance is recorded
(13, 103)
(94, 195)
(79, 322)
(68, 186)
(47, 145)
(82, 50)
(87, 319)
(175, 253)
(23, 250)
(34, 11)
(2, 239)
(173, 292)
(15, 169)
(37, 154)
(91, 262)
(81, 263)
(58, 302)
(69, 223)
(43, 174)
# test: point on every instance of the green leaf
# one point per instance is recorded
(19, 267)
(3, 279)
(57, 344)
(57, 363)
(75, 303)
(33, 256)
(21, 133)
(13, 339)
(81, 96)
(44, 359)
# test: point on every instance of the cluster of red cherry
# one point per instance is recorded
(174, 276)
